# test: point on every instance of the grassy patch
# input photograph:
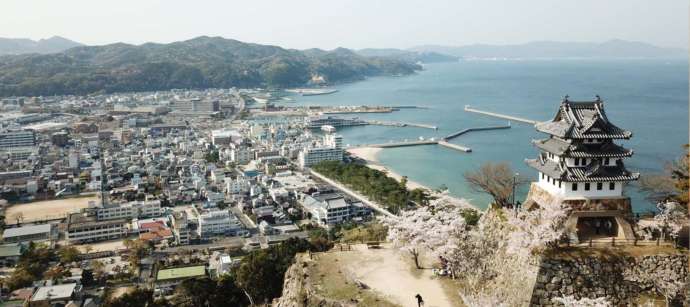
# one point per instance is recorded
(332, 283)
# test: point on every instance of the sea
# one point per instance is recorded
(648, 97)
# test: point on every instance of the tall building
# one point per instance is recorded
(195, 106)
(581, 165)
(219, 222)
(331, 150)
(18, 144)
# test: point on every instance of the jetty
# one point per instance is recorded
(454, 146)
(504, 116)
(400, 124)
(403, 144)
(463, 131)
(442, 142)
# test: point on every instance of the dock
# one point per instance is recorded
(463, 131)
(400, 124)
(508, 117)
(454, 146)
(442, 142)
(403, 144)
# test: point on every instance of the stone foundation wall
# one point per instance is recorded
(538, 195)
(619, 280)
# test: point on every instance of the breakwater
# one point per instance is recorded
(504, 116)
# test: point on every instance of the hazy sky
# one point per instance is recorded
(354, 24)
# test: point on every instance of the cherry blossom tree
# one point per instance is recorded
(536, 230)
(494, 257)
(669, 220)
(437, 227)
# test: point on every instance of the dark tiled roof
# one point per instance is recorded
(592, 172)
(568, 149)
(582, 120)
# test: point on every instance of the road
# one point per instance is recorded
(378, 208)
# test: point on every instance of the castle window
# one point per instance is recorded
(574, 186)
(606, 161)
(586, 186)
(542, 175)
(559, 183)
(612, 185)
(577, 161)
(600, 186)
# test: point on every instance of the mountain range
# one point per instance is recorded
(202, 62)
(549, 49)
(58, 66)
(24, 45)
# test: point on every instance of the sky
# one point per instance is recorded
(355, 24)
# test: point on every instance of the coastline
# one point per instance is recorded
(370, 154)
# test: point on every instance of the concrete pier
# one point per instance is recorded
(400, 124)
(403, 144)
(463, 131)
(454, 146)
(508, 117)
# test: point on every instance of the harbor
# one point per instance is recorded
(442, 142)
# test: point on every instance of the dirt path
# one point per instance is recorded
(386, 272)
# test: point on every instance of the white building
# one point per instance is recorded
(236, 186)
(218, 222)
(331, 150)
(241, 154)
(20, 138)
(332, 208)
(130, 210)
(82, 228)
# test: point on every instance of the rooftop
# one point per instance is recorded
(10, 250)
(568, 149)
(582, 120)
(26, 230)
(54, 292)
(185, 272)
(592, 172)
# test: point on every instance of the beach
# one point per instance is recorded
(369, 155)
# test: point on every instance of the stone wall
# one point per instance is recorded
(620, 279)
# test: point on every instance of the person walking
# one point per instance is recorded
(420, 301)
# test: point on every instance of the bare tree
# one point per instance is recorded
(495, 179)
(672, 185)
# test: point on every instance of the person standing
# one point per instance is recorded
(420, 301)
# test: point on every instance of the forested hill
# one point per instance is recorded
(202, 62)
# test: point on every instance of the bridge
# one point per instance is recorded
(504, 116)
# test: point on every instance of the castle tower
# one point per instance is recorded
(581, 165)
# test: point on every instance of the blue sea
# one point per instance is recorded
(648, 97)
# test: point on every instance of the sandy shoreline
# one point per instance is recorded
(369, 154)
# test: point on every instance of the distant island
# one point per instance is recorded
(202, 62)
(43, 46)
(615, 48)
